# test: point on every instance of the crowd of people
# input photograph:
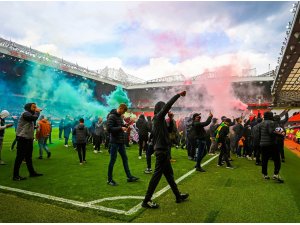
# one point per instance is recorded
(257, 137)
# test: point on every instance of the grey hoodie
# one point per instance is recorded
(3, 115)
(26, 122)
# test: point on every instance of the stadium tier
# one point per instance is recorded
(15, 72)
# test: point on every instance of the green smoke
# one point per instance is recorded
(60, 95)
(118, 96)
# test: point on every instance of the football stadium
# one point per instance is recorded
(79, 145)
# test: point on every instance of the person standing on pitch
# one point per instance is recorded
(116, 128)
(81, 133)
(3, 115)
(162, 146)
(25, 136)
(199, 134)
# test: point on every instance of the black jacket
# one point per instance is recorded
(197, 130)
(161, 138)
(266, 133)
(255, 134)
(81, 133)
(238, 131)
(142, 125)
(223, 134)
(114, 127)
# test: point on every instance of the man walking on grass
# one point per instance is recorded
(162, 147)
(25, 134)
(116, 129)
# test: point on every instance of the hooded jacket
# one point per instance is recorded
(266, 130)
(81, 133)
(99, 128)
(114, 127)
(26, 122)
(44, 128)
(3, 115)
(161, 138)
(143, 127)
(197, 130)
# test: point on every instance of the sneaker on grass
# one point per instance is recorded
(19, 178)
(148, 171)
(182, 197)
(200, 169)
(229, 167)
(112, 183)
(132, 179)
(36, 175)
(150, 205)
(266, 177)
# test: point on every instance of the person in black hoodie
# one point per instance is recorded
(222, 141)
(25, 136)
(268, 146)
(199, 135)
(142, 125)
(161, 142)
(116, 129)
(81, 133)
(255, 142)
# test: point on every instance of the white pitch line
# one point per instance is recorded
(159, 193)
(90, 204)
(72, 202)
(114, 198)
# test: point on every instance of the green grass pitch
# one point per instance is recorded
(219, 195)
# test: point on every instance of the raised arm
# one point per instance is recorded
(29, 117)
(169, 104)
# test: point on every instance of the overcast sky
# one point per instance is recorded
(151, 39)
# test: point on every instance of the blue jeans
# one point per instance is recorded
(43, 145)
(114, 149)
(201, 145)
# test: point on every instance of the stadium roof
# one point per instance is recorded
(106, 75)
(286, 86)
(180, 80)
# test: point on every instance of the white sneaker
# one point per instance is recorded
(100, 151)
(95, 151)
(147, 171)
(229, 167)
(66, 146)
(140, 157)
